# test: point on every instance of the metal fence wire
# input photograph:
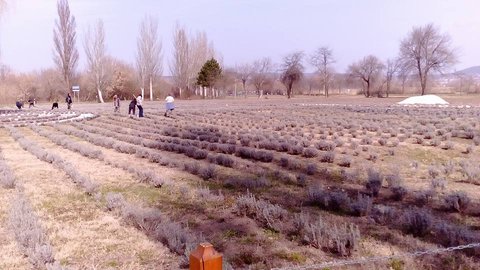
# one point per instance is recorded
(338, 263)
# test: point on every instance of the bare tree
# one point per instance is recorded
(149, 53)
(322, 59)
(368, 70)
(292, 71)
(64, 37)
(181, 62)
(392, 66)
(426, 50)
(261, 74)
(244, 72)
(200, 51)
(95, 51)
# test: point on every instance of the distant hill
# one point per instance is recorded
(475, 70)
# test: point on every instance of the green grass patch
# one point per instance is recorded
(145, 256)
(292, 256)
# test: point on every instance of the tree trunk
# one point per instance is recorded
(100, 97)
(289, 90)
(143, 92)
(244, 88)
(235, 90)
(424, 84)
(368, 89)
(388, 88)
(151, 88)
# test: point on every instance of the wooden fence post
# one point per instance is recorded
(205, 257)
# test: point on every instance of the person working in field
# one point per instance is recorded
(139, 105)
(116, 103)
(55, 104)
(169, 105)
(69, 101)
(32, 103)
(19, 104)
(131, 107)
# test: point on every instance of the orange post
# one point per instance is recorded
(205, 257)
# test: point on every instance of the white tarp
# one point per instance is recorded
(424, 100)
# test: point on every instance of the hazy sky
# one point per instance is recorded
(245, 30)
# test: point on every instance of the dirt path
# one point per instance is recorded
(83, 236)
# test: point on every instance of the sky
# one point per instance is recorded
(244, 30)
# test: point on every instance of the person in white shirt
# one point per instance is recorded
(139, 105)
(169, 105)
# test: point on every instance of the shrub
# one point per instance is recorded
(342, 239)
(433, 171)
(448, 167)
(453, 235)
(270, 215)
(438, 183)
(383, 214)
(114, 201)
(393, 180)
(470, 171)
(161, 228)
(458, 201)
(382, 141)
(208, 172)
(372, 157)
(327, 157)
(311, 169)
(416, 221)
(365, 141)
(447, 146)
(395, 143)
(353, 145)
(332, 201)
(423, 197)
(192, 167)
(29, 234)
(206, 195)
(362, 206)
(224, 160)
(310, 152)
(374, 182)
(295, 150)
(398, 192)
(476, 140)
(302, 180)
(435, 142)
(325, 146)
(7, 178)
(345, 161)
(247, 182)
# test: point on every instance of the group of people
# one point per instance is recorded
(31, 102)
(137, 102)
